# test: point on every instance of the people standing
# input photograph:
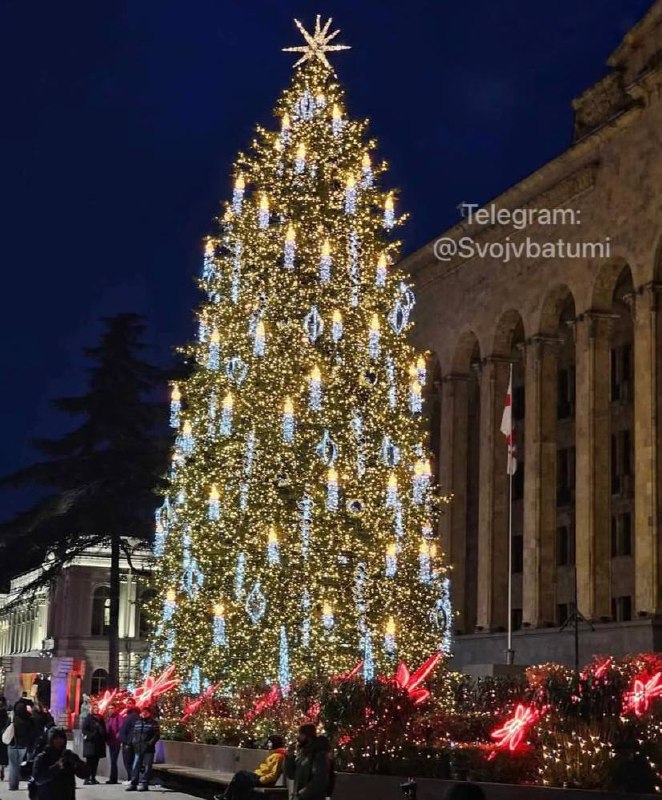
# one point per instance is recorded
(55, 768)
(23, 741)
(144, 736)
(126, 731)
(310, 765)
(85, 707)
(94, 742)
(4, 722)
(42, 720)
(113, 740)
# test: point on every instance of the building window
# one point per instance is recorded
(517, 618)
(519, 407)
(621, 535)
(565, 475)
(101, 611)
(562, 613)
(565, 546)
(566, 393)
(621, 608)
(518, 554)
(621, 373)
(518, 480)
(99, 681)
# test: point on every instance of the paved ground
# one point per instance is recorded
(100, 792)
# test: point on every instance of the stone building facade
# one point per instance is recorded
(582, 329)
(56, 641)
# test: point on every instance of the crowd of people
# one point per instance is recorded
(32, 747)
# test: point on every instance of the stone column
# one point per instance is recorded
(60, 670)
(453, 479)
(541, 376)
(492, 586)
(593, 469)
(647, 447)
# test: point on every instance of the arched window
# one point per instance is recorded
(101, 611)
(143, 627)
(99, 681)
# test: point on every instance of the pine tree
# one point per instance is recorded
(298, 535)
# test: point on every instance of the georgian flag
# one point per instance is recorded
(508, 430)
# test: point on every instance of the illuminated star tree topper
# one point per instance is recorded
(317, 44)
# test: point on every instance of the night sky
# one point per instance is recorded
(121, 119)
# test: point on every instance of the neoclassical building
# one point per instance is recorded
(581, 326)
(56, 642)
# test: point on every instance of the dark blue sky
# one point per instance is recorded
(121, 118)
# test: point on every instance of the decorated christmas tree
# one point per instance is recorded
(298, 536)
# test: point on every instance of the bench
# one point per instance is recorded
(206, 783)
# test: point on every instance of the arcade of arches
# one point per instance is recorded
(584, 338)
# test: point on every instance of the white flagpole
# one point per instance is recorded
(510, 653)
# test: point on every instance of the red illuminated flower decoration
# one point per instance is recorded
(104, 702)
(314, 711)
(411, 682)
(264, 701)
(192, 706)
(512, 733)
(153, 687)
(638, 700)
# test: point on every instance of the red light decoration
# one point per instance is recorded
(512, 733)
(264, 701)
(347, 676)
(153, 687)
(411, 682)
(105, 701)
(638, 700)
(192, 706)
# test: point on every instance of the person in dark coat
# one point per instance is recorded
(4, 721)
(126, 731)
(144, 736)
(310, 765)
(464, 791)
(42, 720)
(23, 742)
(94, 742)
(55, 768)
(113, 728)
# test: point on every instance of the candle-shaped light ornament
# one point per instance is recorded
(186, 438)
(421, 372)
(389, 637)
(300, 159)
(285, 128)
(240, 576)
(273, 547)
(289, 250)
(175, 406)
(169, 605)
(366, 171)
(212, 405)
(238, 194)
(389, 212)
(350, 195)
(219, 625)
(283, 663)
(306, 509)
(315, 386)
(325, 263)
(263, 212)
(416, 397)
(332, 490)
(288, 420)
(208, 268)
(320, 100)
(214, 504)
(159, 538)
(336, 120)
(391, 560)
(374, 345)
(380, 276)
(226, 414)
(203, 329)
(327, 616)
(424, 573)
(260, 339)
(392, 491)
(336, 326)
(421, 479)
(427, 529)
(214, 355)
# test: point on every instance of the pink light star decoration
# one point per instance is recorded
(193, 706)
(411, 682)
(153, 687)
(512, 733)
(638, 700)
(105, 701)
